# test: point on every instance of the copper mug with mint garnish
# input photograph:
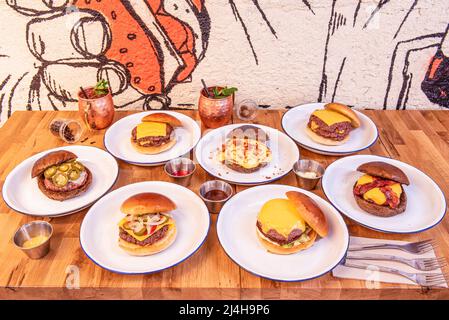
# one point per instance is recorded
(96, 106)
(216, 105)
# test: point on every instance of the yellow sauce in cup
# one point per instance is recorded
(34, 242)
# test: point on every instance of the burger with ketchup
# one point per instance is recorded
(60, 176)
(379, 191)
(286, 226)
(148, 227)
(332, 125)
(155, 134)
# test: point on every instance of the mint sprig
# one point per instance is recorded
(223, 93)
(101, 88)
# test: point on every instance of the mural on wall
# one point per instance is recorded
(369, 53)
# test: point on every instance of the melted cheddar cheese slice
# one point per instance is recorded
(375, 194)
(282, 216)
(330, 117)
(151, 129)
(142, 238)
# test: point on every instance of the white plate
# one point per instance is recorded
(284, 150)
(22, 194)
(236, 228)
(99, 232)
(426, 204)
(294, 123)
(117, 140)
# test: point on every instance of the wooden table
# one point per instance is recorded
(420, 138)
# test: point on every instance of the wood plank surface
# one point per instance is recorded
(420, 138)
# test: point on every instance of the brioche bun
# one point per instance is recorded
(154, 150)
(346, 111)
(145, 203)
(384, 170)
(51, 159)
(162, 244)
(322, 140)
(277, 249)
(310, 212)
(164, 118)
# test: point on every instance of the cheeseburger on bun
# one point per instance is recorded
(60, 176)
(245, 149)
(286, 226)
(147, 228)
(155, 134)
(332, 125)
(379, 191)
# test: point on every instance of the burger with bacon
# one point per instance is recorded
(379, 191)
(148, 227)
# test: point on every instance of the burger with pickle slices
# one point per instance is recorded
(60, 176)
(155, 134)
(379, 191)
(332, 125)
(286, 226)
(148, 227)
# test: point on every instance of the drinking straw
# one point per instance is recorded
(85, 93)
(205, 88)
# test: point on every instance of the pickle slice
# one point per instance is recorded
(78, 166)
(127, 225)
(140, 231)
(73, 174)
(60, 179)
(64, 167)
(50, 172)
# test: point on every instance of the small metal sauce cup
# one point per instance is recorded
(31, 230)
(177, 165)
(303, 166)
(214, 206)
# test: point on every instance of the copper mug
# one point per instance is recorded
(215, 113)
(98, 113)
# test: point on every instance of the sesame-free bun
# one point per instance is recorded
(346, 111)
(162, 244)
(155, 150)
(322, 140)
(384, 170)
(51, 159)
(310, 212)
(164, 118)
(145, 203)
(277, 249)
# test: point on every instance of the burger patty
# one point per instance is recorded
(71, 185)
(152, 141)
(155, 237)
(274, 236)
(338, 131)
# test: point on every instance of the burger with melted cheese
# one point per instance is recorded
(148, 228)
(155, 134)
(245, 149)
(60, 176)
(332, 125)
(379, 191)
(286, 226)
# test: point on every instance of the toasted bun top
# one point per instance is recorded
(148, 202)
(310, 211)
(162, 117)
(346, 111)
(384, 170)
(51, 159)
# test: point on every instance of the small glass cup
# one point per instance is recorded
(68, 130)
(214, 206)
(31, 230)
(308, 173)
(247, 110)
(180, 170)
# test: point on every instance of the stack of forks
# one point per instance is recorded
(431, 277)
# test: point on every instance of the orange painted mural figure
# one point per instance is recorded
(143, 47)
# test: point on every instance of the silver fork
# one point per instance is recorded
(414, 247)
(423, 264)
(423, 279)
